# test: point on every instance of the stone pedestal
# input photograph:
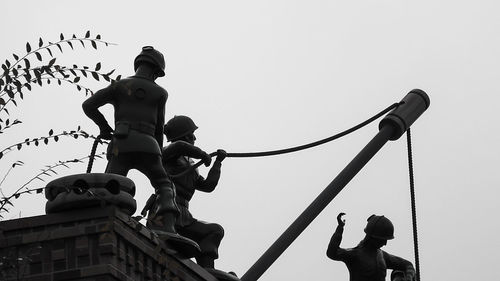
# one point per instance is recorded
(97, 244)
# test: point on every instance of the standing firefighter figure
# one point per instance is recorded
(177, 158)
(367, 262)
(136, 141)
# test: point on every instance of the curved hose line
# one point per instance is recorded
(296, 148)
(92, 154)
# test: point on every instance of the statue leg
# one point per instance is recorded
(209, 237)
(164, 211)
(119, 165)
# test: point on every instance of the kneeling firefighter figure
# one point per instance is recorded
(367, 262)
(177, 158)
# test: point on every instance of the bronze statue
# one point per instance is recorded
(177, 158)
(136, 141)
(367, 262)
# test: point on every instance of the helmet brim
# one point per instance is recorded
(141, 58)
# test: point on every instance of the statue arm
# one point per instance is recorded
(160, 120)
(334, 251)
(395, 262)
(91, 105)
(182, 148)
(209, 184)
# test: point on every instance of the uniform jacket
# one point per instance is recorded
(139, 113)
(176, 159)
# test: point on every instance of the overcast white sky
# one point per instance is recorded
(263, 75)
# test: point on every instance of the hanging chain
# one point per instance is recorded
(413, 206)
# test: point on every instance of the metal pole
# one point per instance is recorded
(391, 128)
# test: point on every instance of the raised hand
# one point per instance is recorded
(340, 221)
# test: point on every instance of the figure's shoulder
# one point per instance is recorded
(134, 81)
(178, 147)
(356, 250)
(122, 81)
(385, 254)
(121, 84)
(169, 149)
(352, 250)
(161, 90)
(347, 254)
(172, 152)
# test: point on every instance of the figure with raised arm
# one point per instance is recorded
(367, 261)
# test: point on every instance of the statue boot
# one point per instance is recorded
(222, 275)
(208, 262)
(162, 215)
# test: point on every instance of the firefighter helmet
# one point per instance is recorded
(178, 127)
(379, 227)
(152, 56)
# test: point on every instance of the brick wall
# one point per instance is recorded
(97, 244)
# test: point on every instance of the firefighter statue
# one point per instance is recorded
(137, 137)
(367, 262)
(177, 160)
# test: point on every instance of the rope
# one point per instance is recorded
(296, 148)
(413, 206)
(92, 154)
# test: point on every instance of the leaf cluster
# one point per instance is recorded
(47, 138)
(38, 67)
